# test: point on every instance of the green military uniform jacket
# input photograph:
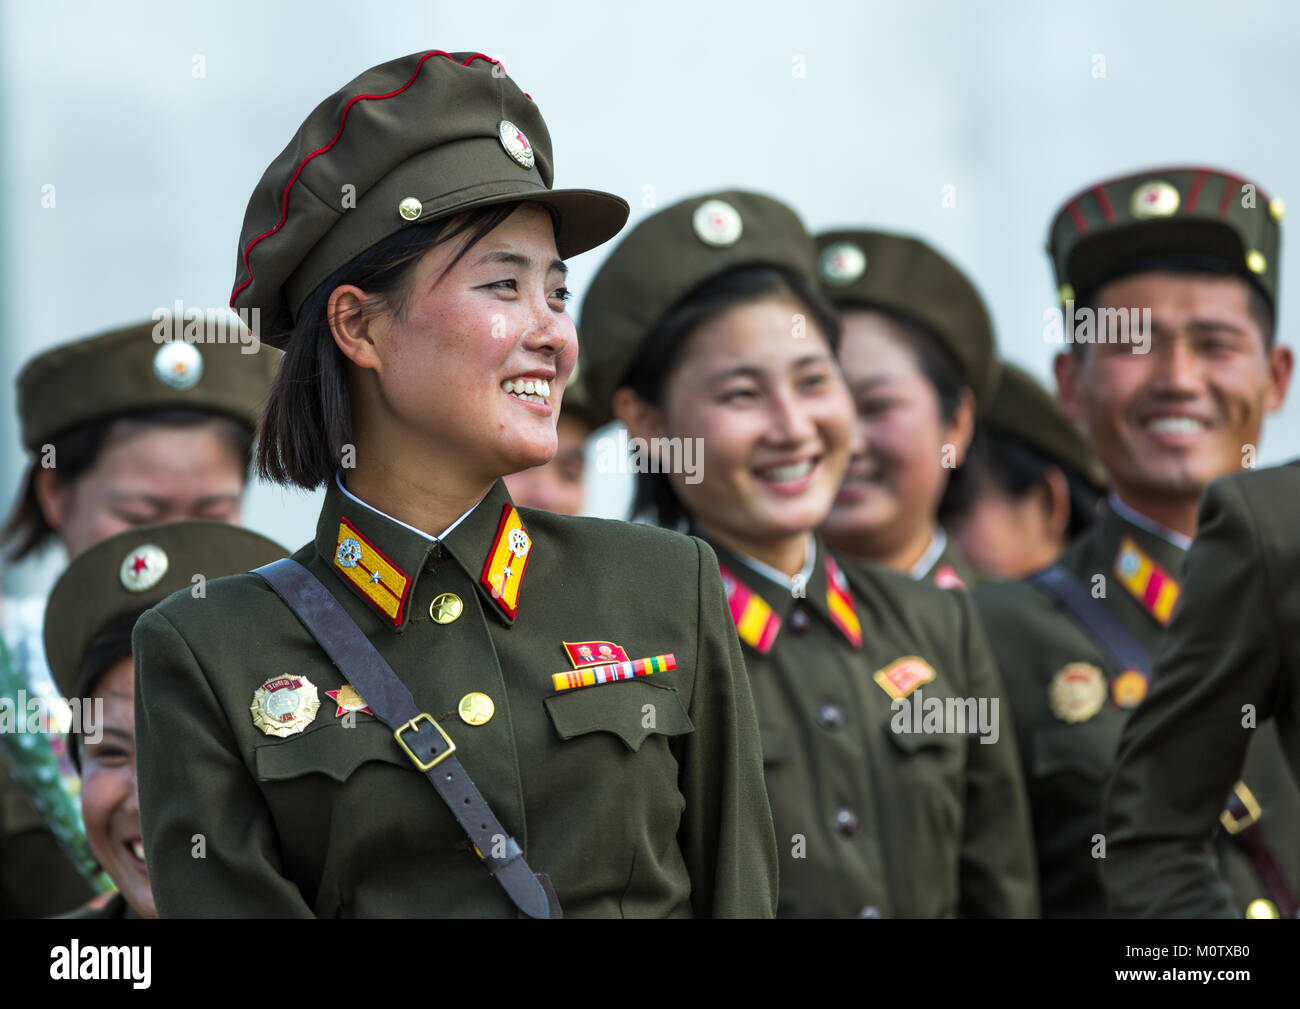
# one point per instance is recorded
(642, 797)
(1067, 762)
(36, 877)
(951, 569)
(1233, 643)
(873, 822)
(115, 908)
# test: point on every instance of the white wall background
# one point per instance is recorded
(153, 166)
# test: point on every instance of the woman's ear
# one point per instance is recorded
(351, 326)
(51, 496)
(642, 419)
(962, 429)
(1056, 504)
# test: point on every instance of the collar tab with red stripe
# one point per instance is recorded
(758, 623)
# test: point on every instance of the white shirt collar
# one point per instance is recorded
(1142, 522)
(938, 544)
(338, 478)
(786, 582)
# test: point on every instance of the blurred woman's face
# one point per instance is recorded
(760, 388)
(898, 473)
(110, 803)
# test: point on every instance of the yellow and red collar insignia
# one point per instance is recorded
(839, 602)
(594, 653)
(383, 584)
(1150, 584)
(503, 571)
(755, 622)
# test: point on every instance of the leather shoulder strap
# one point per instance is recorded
(1093, 616)
(422, 739)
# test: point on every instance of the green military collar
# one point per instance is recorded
(381, 559)
(760, 608)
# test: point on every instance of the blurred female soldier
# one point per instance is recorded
(414, 715)
(88, 625)
(705, 334)
(1034, 483)
(122, 429)
(918, 355)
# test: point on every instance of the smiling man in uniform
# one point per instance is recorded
(1169, 283)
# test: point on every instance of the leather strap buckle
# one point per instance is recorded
(1242, 810)
(414, 727)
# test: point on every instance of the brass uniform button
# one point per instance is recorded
(476, 708)
(1262, 908)
(799, 622)
(445, 608)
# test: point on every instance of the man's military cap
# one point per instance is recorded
(1022, 409)
(410, 141)
(664, 258)
(130, 572)
(135, 368)
(1112, 228)
(907, 278)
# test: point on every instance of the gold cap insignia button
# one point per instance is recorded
(1256, 261)
(476, 708)
(178, 365)
(842, 263)
(143, 568)
(717, 223)
(1155, 199)
(284, 705)
(410, 208)
(1262, 908)
(445, 608)
(1078, 692)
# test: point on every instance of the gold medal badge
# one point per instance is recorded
(1078, 692)
(284, 705)
(1128, 689)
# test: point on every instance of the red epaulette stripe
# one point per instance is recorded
(1194, 193)
(1103, 201)
(1229, 188)
(284, 203)
(1076, 215)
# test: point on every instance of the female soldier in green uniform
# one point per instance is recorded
(88, 625)
(123, 429)
(406, 249)
(918, 355)
(705, 335)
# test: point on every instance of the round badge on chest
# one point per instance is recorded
(284, 705)
(1078, 692)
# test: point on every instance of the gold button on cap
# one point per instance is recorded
(476, 708)
(445, 608)
(1262, 908)
(410, 208)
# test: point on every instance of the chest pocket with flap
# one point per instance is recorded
(630, 709)
(330, 749)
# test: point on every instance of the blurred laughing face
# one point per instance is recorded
(769, 403)
(110, 802)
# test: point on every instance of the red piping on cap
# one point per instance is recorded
(1104, 202)
(284, 209)
(1194, 193)
(1230, 187)
(1076, 215)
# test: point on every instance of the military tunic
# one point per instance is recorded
(36, 876)
(1231, 644)
(873, 822)
(950, 569)
(642, 797)
(1067, 753)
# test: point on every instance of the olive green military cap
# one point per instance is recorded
(1022, 409)
(130, 572)
(664, 258)
(407, 142)
(1111, 228)
(905, 277)
(141, 367)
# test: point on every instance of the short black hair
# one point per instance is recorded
(654, 497)
(78, 450)
(308, 418)
(1014, 467)
(111, 646)
(1257, 302)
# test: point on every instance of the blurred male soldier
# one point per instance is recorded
(1169, 283)
(1184, 747)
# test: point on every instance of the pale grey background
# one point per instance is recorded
(153, 166)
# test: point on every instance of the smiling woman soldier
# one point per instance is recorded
(413, 727)
(726, 341)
